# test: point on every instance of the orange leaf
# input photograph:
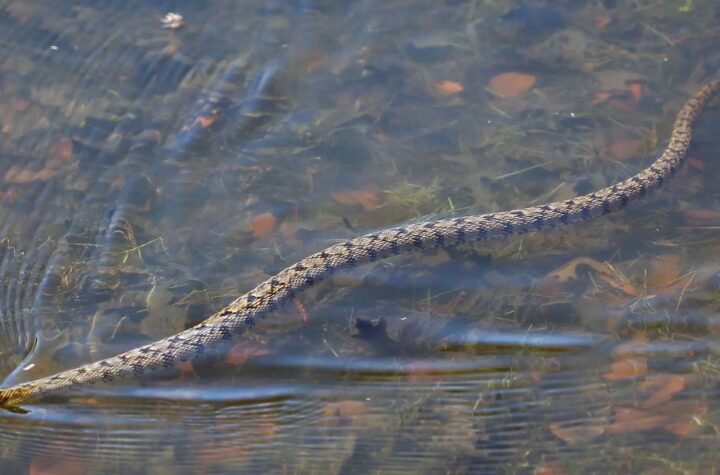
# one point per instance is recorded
(677, 417)
(569, 272)
(288, 230)
(683, 428)
(21, 175)
(629, 419)
(636, 89)
(696, 164)
(602, 21)
(263, 224)
(663, 271)
(243, 352)
(701, 217)
(301, 310)
(670, 385)
(685, 415)
(186, 368)
(576, 434)
(626, 149)
(206, 121)
(367, 197)
(639, 337)
(64, 149)
(602, 96)
(628, 368)
(422, 370)
(448, 87)
(548, 469)
(511, 84)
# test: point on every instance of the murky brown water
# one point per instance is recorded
(149, 175)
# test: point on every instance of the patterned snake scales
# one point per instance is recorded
(242, 314)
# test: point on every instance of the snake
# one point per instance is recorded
(246, 311)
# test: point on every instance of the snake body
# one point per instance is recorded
(244, 312)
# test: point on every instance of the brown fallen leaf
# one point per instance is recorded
(664, 277)
(63, 149)
(301, 310)
(548, 469)
(202, 121)
(511, 84)
(626, 149)
(696, 164)
(683, 428)
(448, 87)
(635, 347)
(630, 419)
(263, 224)
(626, 369)
(576, 434)
(664, 271)
(602, 21)
(602, 96)
(668, 385)
(700, 217)
(187, 370)
(624, 100)
(21, 175)
(685, 416)
(366, 197)
(682, 418)
(423, 371)
(288, 230)
(242, 352)
(637, 89)
(605, 271)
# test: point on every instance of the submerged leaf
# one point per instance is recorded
(366, 197)
(263, 224)
(576, 434)
(511, 84)
(571, 271)
(448, 87)
(626, 369)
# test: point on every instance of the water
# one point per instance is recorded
(151, 175)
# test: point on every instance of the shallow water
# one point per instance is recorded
(151, 175)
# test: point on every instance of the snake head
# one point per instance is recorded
(14, 409)
(10, 398)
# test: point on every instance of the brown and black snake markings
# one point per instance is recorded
(243, 313)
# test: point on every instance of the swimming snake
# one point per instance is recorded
(243, 313)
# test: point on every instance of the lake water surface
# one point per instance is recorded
(151, 175)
